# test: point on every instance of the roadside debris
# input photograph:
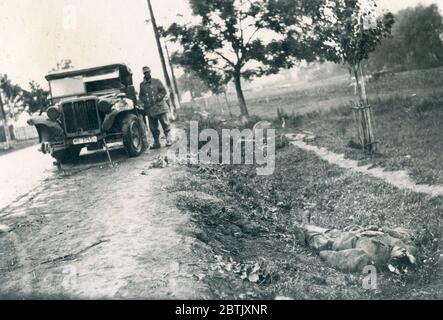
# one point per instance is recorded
(158, 163)
(4, 228)
(249, 271)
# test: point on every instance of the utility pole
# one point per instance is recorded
(174, 79)
(162, 57)
(5, 122)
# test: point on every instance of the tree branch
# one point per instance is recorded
(224, 58)
(253, 34)
(242, 47)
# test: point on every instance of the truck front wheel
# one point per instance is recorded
(133, 135)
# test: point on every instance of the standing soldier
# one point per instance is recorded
(153, 94)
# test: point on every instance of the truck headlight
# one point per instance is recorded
(53, 113)
(123, 104)
(104, 106)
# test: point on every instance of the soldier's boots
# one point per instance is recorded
(156, 144)
(168, 140)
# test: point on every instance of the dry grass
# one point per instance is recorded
(252, 216)
(249, 218)
(304, 97)
(408, 110)
(408, 129)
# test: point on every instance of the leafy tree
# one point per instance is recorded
(349, 30)
(190, 82)
(36, 98)
(415, 41)
(12, 97)
(11, 104)
(243, 39)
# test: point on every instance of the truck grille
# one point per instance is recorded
(81, 116)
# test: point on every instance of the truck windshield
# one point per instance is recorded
(103, 80)
(67, 87)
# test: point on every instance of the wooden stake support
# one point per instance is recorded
(364, 127)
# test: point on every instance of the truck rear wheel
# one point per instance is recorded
(133, 135)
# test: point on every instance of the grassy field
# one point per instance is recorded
(409, 131)
(327, 94)
(247, 218)
(408, 110)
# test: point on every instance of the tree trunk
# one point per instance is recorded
(5, 123)
(192, 91)
(357, 84)
(363, 113)
(227, 104)
(241, 98)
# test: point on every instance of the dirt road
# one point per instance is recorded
(96, 231)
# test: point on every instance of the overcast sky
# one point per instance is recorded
(35, 34)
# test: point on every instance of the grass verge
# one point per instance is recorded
(408, 129)
(248, 221)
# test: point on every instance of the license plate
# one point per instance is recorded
(84, 140)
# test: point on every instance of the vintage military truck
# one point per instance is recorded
(89, 108)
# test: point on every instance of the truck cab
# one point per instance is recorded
(90, 107)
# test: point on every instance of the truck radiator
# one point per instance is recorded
(81, 116)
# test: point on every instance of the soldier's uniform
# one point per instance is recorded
(152, 94)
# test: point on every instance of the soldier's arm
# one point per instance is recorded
(161, 91)
(142, 93)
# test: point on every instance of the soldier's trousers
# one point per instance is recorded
(154, 125)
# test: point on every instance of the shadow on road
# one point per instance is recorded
(90, 159)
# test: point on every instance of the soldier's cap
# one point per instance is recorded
(146, 69)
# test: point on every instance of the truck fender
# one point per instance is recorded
(119, 107)
(109, 120)
(47, 127)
